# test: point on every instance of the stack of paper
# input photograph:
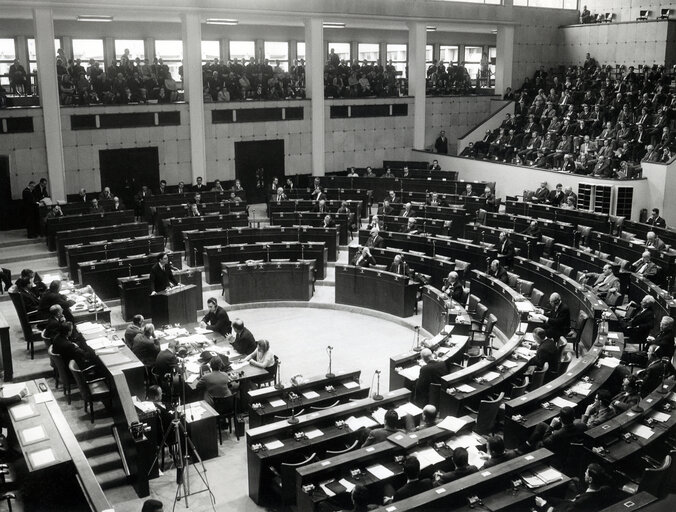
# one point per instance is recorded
(475, 457)
(452, 423)
(310, 394)
(200, 330)
(22, 411)
(273, 445)
(540, 477)
(508, 363)
(350, 384)
(311, 434)
(379, 471)
(408, 408)
(612, 348)
(524, 353)
(490, 376)
(379, 415)
(410, 373)
(642, 431)
(41, 458)
(357, 423)
(103, 342)
(610, 362)
(582, 388)
(427, 457)
(562, 402)
(464, 388)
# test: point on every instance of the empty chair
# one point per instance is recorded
(538, 377)
(548, 249)
(546, 262)
(286, 484)
(519, 389)
(576, 330)
(472, 304)
(524, 287)
(566, 270)
(63, 374)
(225, 407)
(583, 233)
(653, 480)
(512, 279)
(481, 337)
(478, 317)
(92, 390)
(487, 415)
(481, 216)
(536, 296)
(564, 362)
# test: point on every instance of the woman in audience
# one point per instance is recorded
(629, 396)
(262, 357)
(217, 383)
(600, 411)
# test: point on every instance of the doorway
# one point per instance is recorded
(125, 171)
(257, 162)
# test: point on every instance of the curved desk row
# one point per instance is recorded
(529, 246)
(640, 229)
(359, 208)
(259, 282)
(196, 241)
(53, 225)
(183, 210)
(597, 221)
(207, 196)
(381, 186)
(175, 226)
(315, 219)
(561, 232)
(640, 286)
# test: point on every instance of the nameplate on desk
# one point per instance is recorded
(326, 463)
(441, 490)
(529, 457)
(486, 473)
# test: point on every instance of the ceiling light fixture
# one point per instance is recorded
(333, 24)
(431, 28)
(94, 18)
(221, 21)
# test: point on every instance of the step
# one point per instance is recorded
(105, 463)
(112, 479)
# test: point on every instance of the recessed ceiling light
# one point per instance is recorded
(94, 18)
(221, 21)
(430, 28)
(333, 24)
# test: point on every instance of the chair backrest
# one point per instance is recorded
(564, 363)
(584, 231)
(670, 479)
(287, 473)
(653, 480)
(622, 263)
(524, 287)
(57, 361)
(80, 380)
(581, 322)
(536, 296)
(565, 269)
(549, 243)
(519, 389)
(465, 294)
(344, 450)
(224, 405)
(491, 320)
(481, 312)
(547, 262)
(512, 279)
(21, 312)
(538, 377)
(487, 415)
(474, 301)
(461, 266)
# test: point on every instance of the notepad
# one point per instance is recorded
(356, 423)
(465, 388)
(273, 445)
(612, 348)
(508, 363)
(642, 431)
(9, 390)
(379, 471)
(41, 458)
(610, 362)
(277, 403)
(582, 388)
(192, 378)
(22, 411)
(562, 402)
(410, 373)
(428, 457)
(32, 435)
(311, 434)
(350, 384)
(310, 394)
(452, 423)
(408, 408)
(41, 398)
(660, 416)
(490, 376)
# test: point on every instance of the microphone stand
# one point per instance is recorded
(416, 339)
(105, 251)
(194, 256)
(330, 374)
(378, 396)
(528, 249)
(278, 376)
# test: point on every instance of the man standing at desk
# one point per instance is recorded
(216, 319)
(505, 250)
(558, 321)
(430, 373)
(243, 341)
(161, 276)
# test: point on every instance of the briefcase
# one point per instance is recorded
(239, 426)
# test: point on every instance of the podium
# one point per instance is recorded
(176, 305)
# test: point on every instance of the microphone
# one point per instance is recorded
(377, 396)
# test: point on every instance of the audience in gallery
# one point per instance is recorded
(590, 120)
(355, 79)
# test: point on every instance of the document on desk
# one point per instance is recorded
(465, 388)
(582, 388)
(509, 364)
(22, 411)
(562, 402)
(475, 457)
(610, 362)
(239, 364)
(613, 335)
(379, 471)
(32, 435)
(41, 458)
(660, 416)
(410, 373)
(379, 415)
(490, 376)
(192, 378)
(347, 484)
(273, 445)
(356, 423)
(611, 348)
(452, 424)
(200, 330)
(458, 339)
(41, 398)
(642, 431)
(408, 408)
(465, 441)
(310, 395)
(529, 336)
(350, 384)
(9, 390)
(311, 434)
(277, 403)
(427, 457)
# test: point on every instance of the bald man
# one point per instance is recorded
(430, 373)
(452, 286)
(644, 266)
(558, 321)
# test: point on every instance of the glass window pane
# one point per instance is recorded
(86, 49)
(7, 49)
(210, 50)
(136, 48)
(300, 51)
(169, 50)
(521, 3)
(277, 52)
(368, 51)
(570, 4)
(31, 48)
(448, 54)
(242, 50)
(473, 53)
(429, 54)
(397, 54)
(341, 49)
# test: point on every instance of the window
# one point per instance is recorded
(342, 50)
(429, 55)
(492, 56)
(300, 51)
(242, 50)
(488, 2)
(32, 57)
(396, 53)
(277, 51)
(7, 56)
(552, 4)
(473, 60)
(86, 49)
(369, 52)
(171, 53)
(210, 50)
(136, 48)
(448, 55)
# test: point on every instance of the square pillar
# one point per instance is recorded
(504, 61)
(108, 51)
(149, 47)
(383, 53)
(314, 86)
(192, 82)
(49, 99)
(417, 40)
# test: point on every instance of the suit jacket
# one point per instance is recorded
(375, 241)
(385, 211)
(431, 373)
(665, 343)
(500, 274)
(547, 352)
(559, 440)
(218, 321)
(656, 244)
(556, 198)
(559, 322)
(49, 299)
(360, 260)
(401, 268)
(130, 333)
(604, 283)
(640, 324)
(244, 342)
(506, 250)
(161, 278)
(454, 291)
(165, 362)
(412, 488)
(378, 435)
(659, 222)
(214, 384)
(145, 349)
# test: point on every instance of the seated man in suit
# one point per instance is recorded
(430, 373)
(67, 349)
(533, 229)
(462, 468)
(656, 220)
(328, 222)
(399, 266)
(385, 209)
(166, 361)
(547, 351)
(541, 193)
(411, 226)
(645, 266)
(600, 411)
(652, 241)
(604, 282)
(497, 452)
(281, 196)
(377, 435)
(118, 205)
(505, 249)
(637, 326)
(55, 319)
(53, 296)
(375, 240)
(216, 319)
(498, 271)
(95, 207)
(414, 484)
(597, 496)
(558, 320)
(452, 286)
(363, 258)
(663, 342)
(134, 328)
(434, 200)
(243, 341)
(406, 211)
(658, 368)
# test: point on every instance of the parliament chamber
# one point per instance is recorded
(394, 256)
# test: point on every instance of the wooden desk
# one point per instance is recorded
(597, 221)
(259, 461)
(203, 429)
(375, 289)
(6, 350)
(93, 234)
(640, 229)
(314, 219)
(182, 210)
(174, 227)
(636, 502)
(175, 305)
(70, 222)
(561, 232)
(214, 255)
(528, 246)
(639, 287)
(102, 250)
(267, 281)
(358, 206)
